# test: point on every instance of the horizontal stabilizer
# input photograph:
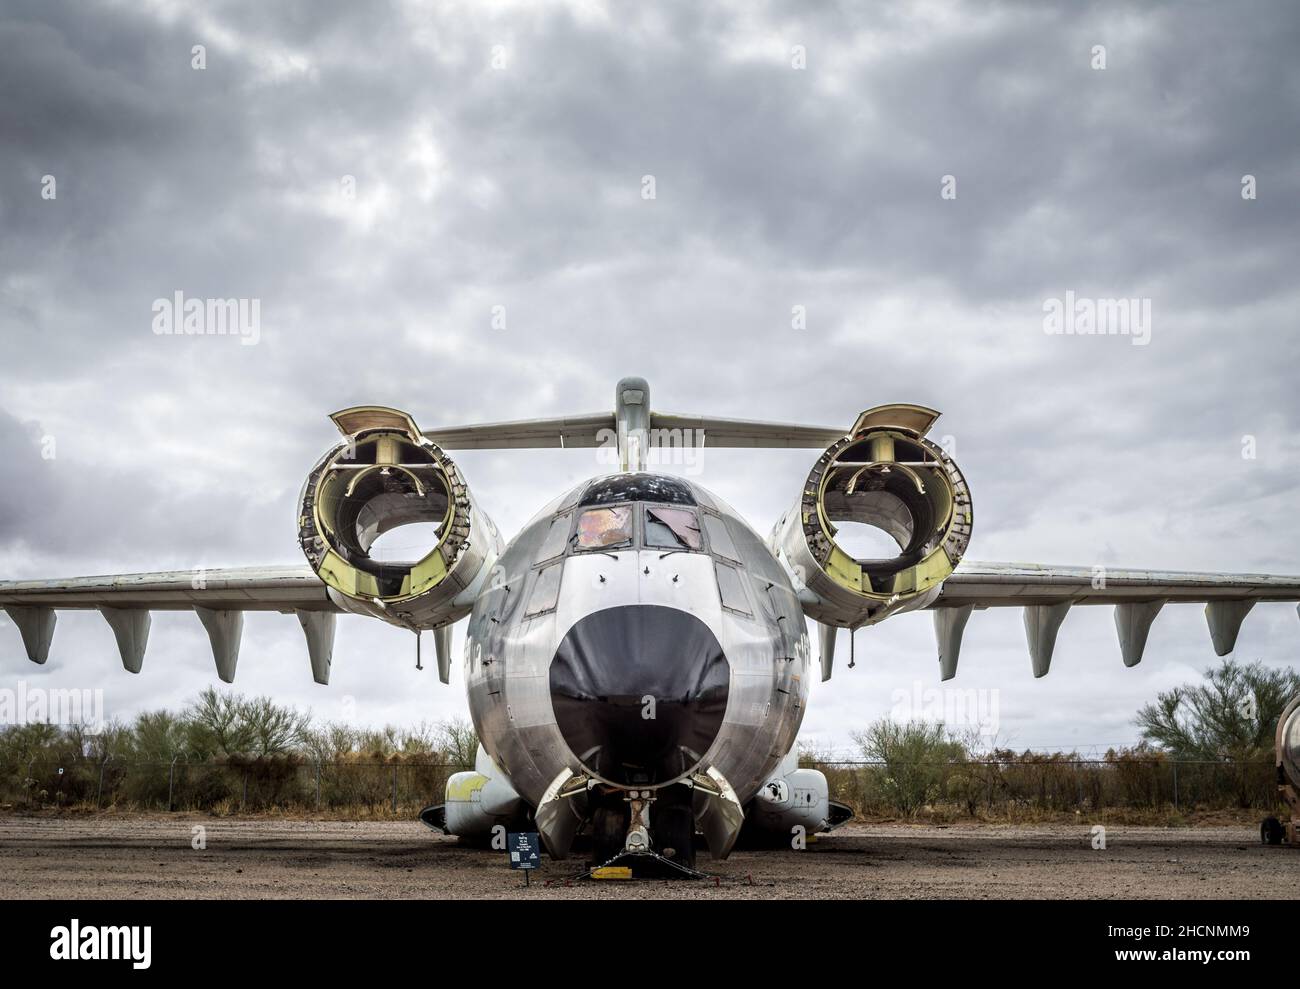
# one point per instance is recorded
(712, 431)
(583, 431)
(599, 430)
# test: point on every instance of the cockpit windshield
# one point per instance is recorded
(604, 528)
(672, 528)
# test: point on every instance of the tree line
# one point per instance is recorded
(1204, 746)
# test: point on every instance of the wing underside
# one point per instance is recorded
(219, 597)
(1047, 593)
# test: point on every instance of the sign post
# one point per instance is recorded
(525, 849)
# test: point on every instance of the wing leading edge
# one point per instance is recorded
(219, 597)
(601, 429)
(1048, 592)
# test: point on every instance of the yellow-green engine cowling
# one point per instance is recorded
(884, 473)
(386, 474)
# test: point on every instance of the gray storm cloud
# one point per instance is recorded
(497, 157)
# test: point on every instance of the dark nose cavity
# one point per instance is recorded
(639, 692)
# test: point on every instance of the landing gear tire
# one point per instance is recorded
(608, 832)
(674, 836)
(1271, 831)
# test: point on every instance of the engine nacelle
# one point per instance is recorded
(794, 798)
(800, 799)
(1288, 744)
(886, 475)
(477, 802)
(386, 474)
(480, 800)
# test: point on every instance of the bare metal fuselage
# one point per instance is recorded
(523, 619)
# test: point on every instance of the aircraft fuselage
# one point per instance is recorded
(637, 631)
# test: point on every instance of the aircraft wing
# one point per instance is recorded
(219, 597)
(1048, 592)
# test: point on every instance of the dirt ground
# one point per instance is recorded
(146, 857)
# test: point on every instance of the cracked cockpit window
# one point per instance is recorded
(672, 528)
(604, 528)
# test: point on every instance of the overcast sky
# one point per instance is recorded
(499, 157)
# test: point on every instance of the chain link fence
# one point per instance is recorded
(1002, 787)
(279, 783)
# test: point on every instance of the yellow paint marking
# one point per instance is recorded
(612, 872)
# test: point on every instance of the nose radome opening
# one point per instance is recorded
(639, 693)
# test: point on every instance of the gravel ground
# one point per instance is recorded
(149, 857)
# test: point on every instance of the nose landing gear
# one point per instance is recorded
(674, 826)
(651, 832)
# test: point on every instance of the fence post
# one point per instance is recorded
(394, 789)
(171, 782)
(1176, 784)
(318, 784)
(99, 795)
(243, 801)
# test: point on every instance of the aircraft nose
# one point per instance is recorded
(639, 693)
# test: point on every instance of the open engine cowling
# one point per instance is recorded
(385, 475)
(886, 475)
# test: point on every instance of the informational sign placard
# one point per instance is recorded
(525, 849)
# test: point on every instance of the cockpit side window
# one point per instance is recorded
(672, 528)
(556, 536)
(546, 590)
(731, 589)
(604, 528)
(719, 538)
